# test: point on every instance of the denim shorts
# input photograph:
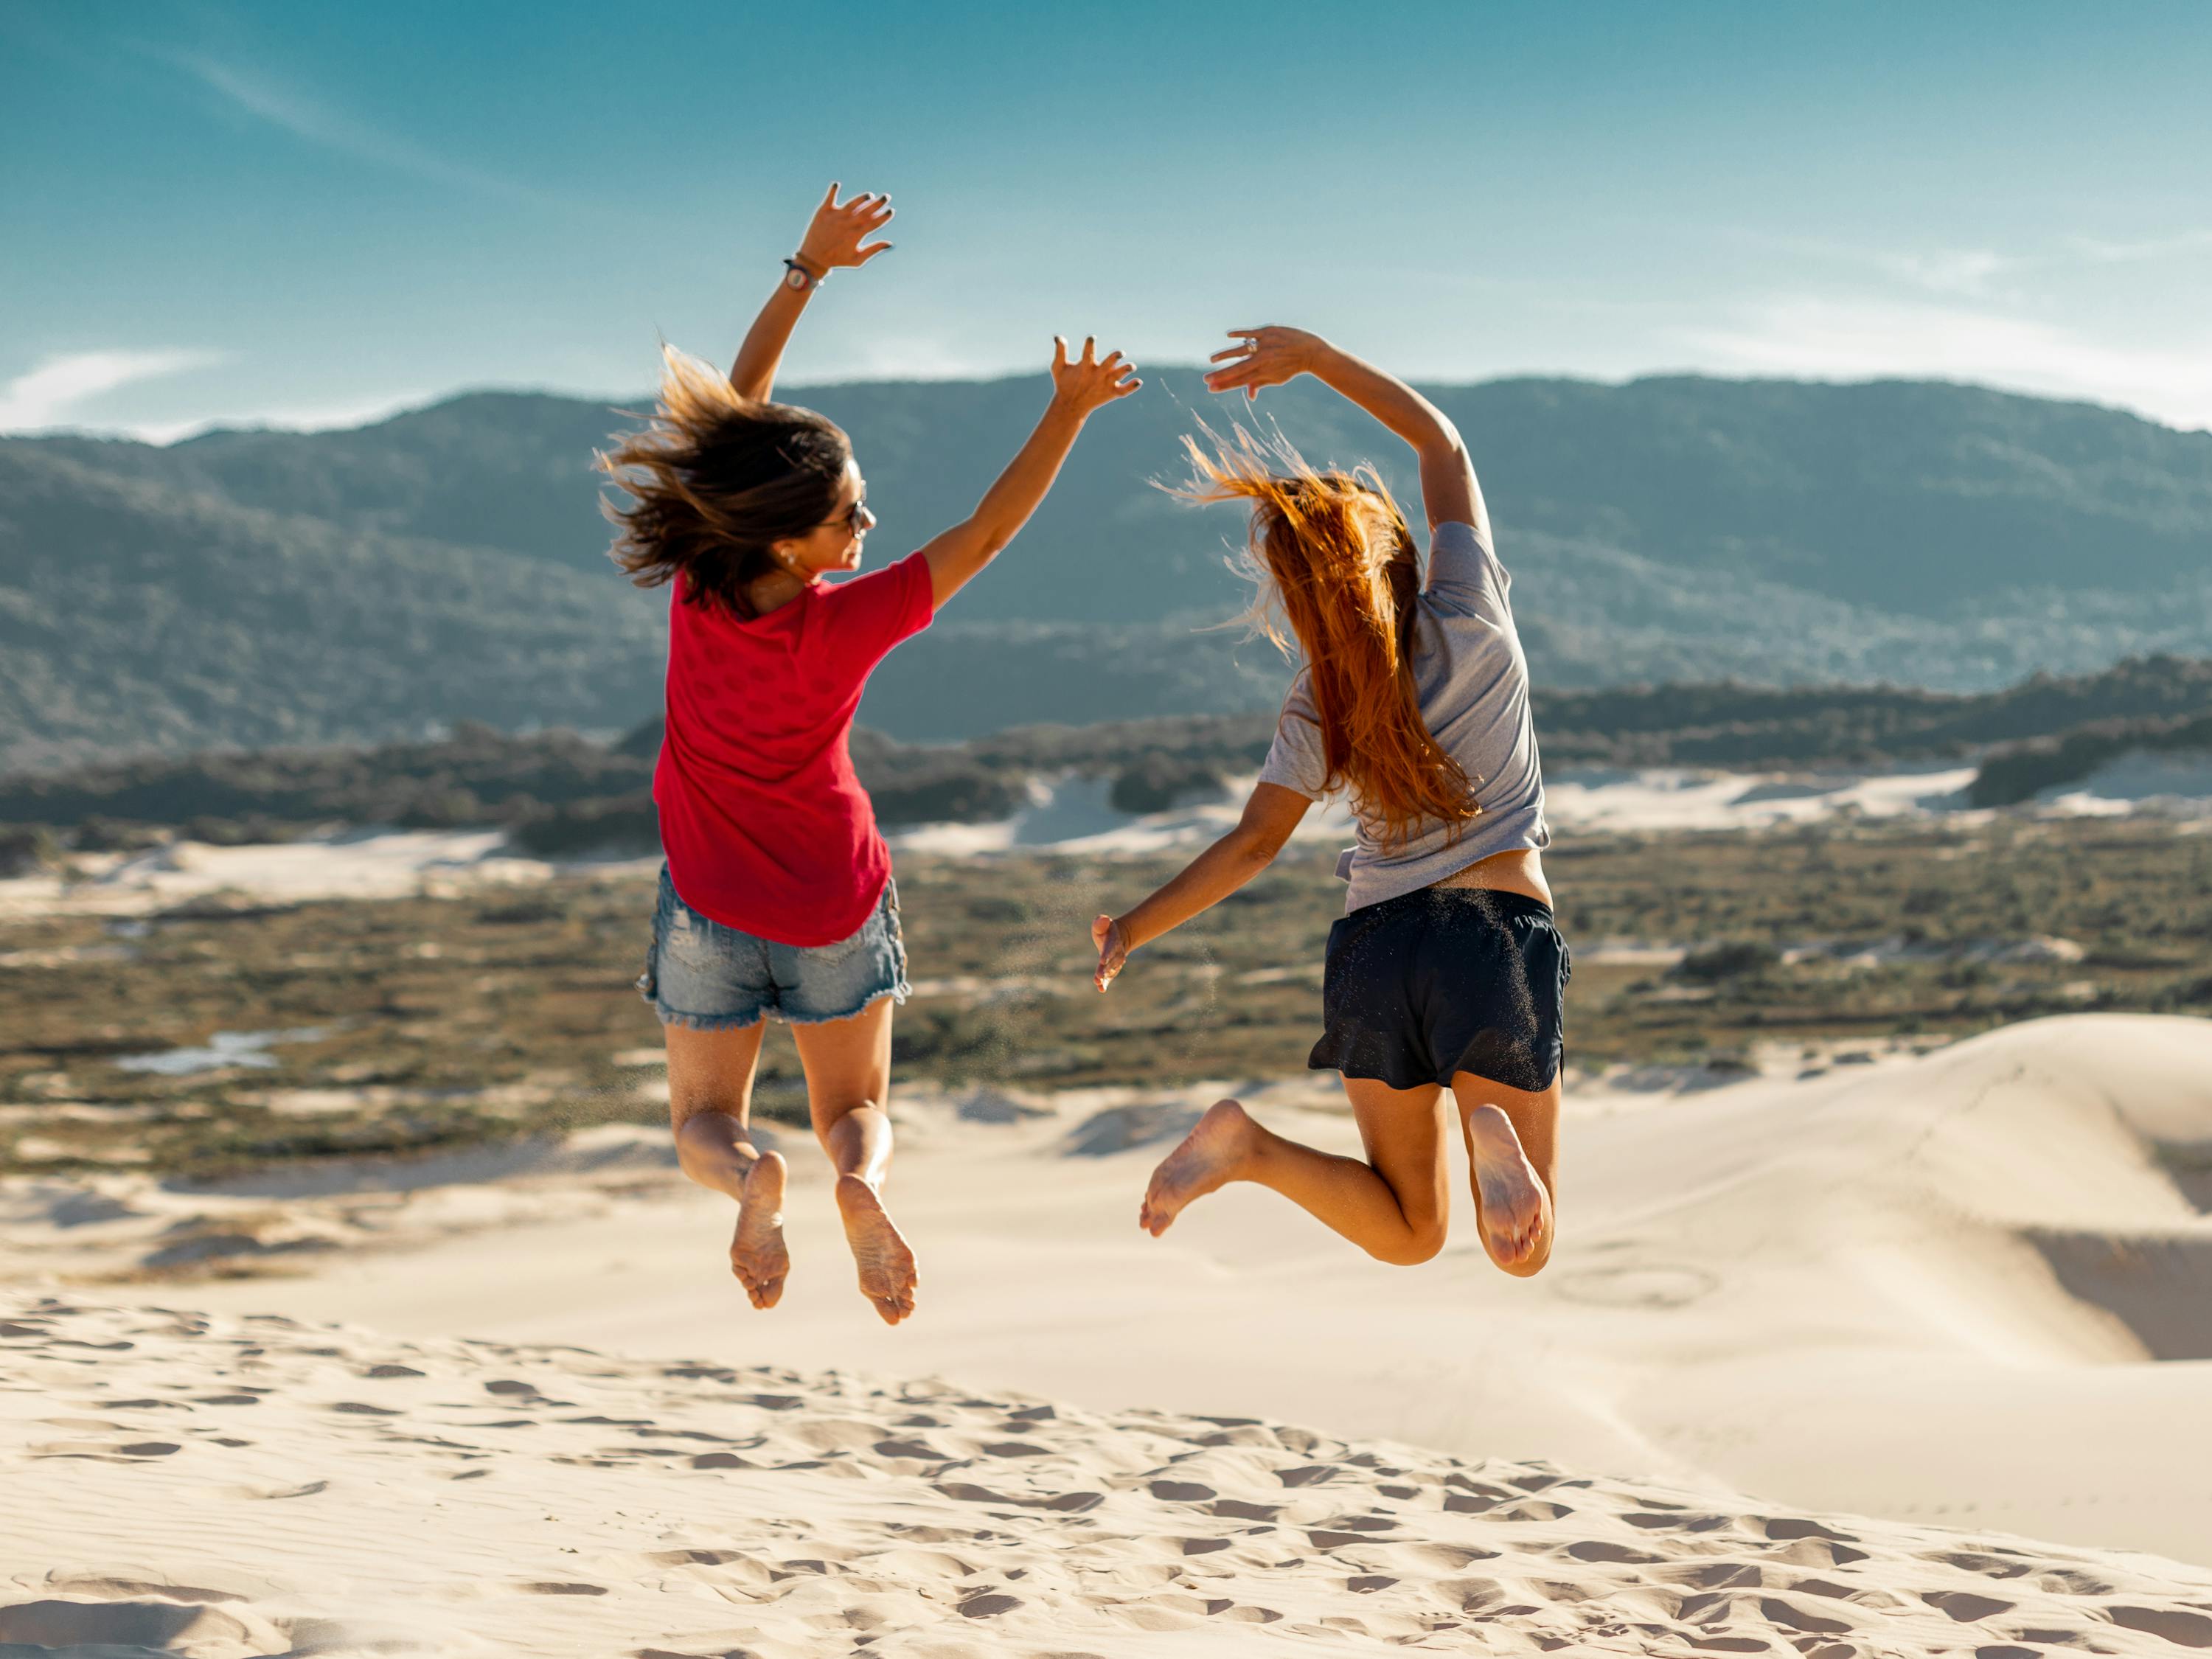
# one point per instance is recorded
(711, 978)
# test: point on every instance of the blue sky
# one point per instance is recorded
(312, 214)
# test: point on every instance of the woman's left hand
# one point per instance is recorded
(1113, 950)
(1269, 356)
(834, 237)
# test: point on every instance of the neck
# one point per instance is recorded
(775, 591)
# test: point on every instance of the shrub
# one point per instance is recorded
(1731, 959)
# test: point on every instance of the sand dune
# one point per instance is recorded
(214, 1489)
(1968, 1289)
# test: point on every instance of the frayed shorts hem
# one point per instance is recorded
(707, 1022)
(1522, 1083)
(745, 1021)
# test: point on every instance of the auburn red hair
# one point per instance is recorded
(1331, 556)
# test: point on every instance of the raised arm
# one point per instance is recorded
(1271, 356)
(958, 556)
(1270, 815)
(833, 241)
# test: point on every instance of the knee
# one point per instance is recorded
(1422, 1241)
(705, 1135)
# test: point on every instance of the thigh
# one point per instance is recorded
(847, 1063)
(1403, 1131)
(1535, 1118)
(711, 1072)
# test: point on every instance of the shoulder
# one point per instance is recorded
(888, 581)
(1464, 573)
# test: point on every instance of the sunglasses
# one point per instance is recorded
(856, 518)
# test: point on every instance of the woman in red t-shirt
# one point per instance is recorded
(777, 900)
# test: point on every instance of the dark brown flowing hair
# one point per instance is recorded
(1330, 555)
(714, 479)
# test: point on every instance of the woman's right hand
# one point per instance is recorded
(1113, 950)
(1269, 356)
(835, 235)
(1088, 384)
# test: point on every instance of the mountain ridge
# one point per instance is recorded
(257, 586)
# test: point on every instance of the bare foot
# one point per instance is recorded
(887, 1272)
(756, 1253)
(1207, 1161)
(1516, 1211)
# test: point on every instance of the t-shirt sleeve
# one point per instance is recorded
(874, 612)
(1465, 575)
(1296, 759)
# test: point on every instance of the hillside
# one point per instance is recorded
(253, 587)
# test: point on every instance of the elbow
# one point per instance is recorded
(1254, 853)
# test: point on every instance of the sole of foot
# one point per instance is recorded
(1206, 1162)
(886, 1264)
(1515, 1210)
(757, 1256)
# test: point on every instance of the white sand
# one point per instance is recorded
(219, 1489)
(354, 864)
(1929, 1290)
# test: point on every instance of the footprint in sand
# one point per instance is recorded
(1652, 1287)
(133, 1626)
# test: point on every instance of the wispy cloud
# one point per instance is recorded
(1964, 272)
(285, 417)
(2101, 252)
(49, 394)
(316, 121)
(1854, 339)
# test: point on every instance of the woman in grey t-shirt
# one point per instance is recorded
(1445, 972)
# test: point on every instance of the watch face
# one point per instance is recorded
(794, 277)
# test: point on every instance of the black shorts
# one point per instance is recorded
(1446, 979)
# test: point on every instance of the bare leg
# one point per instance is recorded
(849, 1081)
(1512, 1150)
(1394, 1205)
(710, 1097)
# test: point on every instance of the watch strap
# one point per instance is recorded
(812, 280)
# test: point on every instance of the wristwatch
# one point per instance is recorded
(798, 278)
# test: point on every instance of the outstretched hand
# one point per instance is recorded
(1113, 950)
(1269, 356)
(1088, 384)
(836, 236)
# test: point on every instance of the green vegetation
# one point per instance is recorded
(424, 1022)
(560, 794)
(2023, 771)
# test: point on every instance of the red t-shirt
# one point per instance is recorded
(765, 826)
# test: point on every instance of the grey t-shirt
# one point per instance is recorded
(1473, 681)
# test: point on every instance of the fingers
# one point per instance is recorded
(871, 250)
(1090, 350)
(1059, 352)
(830, 196)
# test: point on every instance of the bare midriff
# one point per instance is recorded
(1520, 871)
